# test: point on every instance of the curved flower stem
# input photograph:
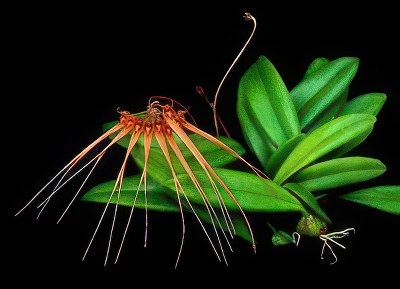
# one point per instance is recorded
(247, 16)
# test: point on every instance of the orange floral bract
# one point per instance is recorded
(163, 122)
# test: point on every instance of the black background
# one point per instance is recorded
(72, 66)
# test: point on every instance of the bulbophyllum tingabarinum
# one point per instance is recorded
(300, 136)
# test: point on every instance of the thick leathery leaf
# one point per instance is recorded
(276, 160)
(370, 103)
(334, 109)
(322, 88)
(338, 172)
(214, 155)
(280, 238)
(384, 198)
(240, 225)
(253, 193)
(317, 64)
(157, 166)
(329, 113)
(323, 140)
(320, 78)
(159, 169)
(343, 149)
(308, 199)
(264, 96)
(256, 137)
(157, 198)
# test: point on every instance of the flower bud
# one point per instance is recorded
(281, 238)
(311, 226)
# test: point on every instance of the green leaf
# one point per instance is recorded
(256, 137)
(338, 172)
(276, 160)
(253, 193)
(264, 96)
(341, 150)
(239, 223)
(323, 140)
(322, 88)
(214, 155)
(109, 125)
(159, 169)
(317, 64)
(157, 198)
(241, 228)
(384, 198)
(335, 108)
(330, 112)
(157, 166)
(308, 200)
(280, 237)
(370, 103)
